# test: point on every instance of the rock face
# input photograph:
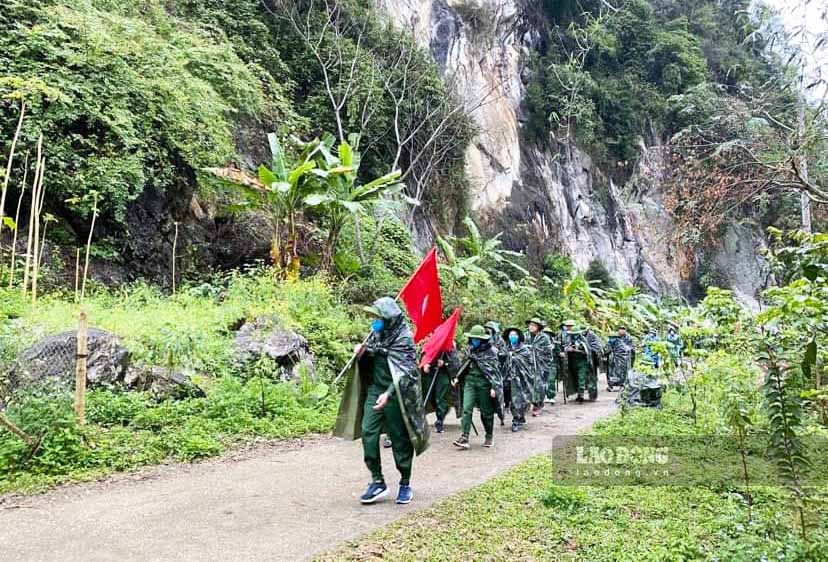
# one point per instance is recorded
(556, 201)
(265, 338)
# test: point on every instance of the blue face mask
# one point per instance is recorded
(378, 324)
(514, 339)
(475, 343)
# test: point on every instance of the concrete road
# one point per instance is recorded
(276, 503)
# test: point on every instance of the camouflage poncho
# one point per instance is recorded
(397, 343)
(577, 342)
(619, 363)
(486, 359)
(518, 368)
(542, 357)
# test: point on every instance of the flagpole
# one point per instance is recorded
(353, 358)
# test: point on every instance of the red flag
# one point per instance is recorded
(442, 339)
(422, 297)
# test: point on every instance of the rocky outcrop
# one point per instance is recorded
(265, 338)
(556, 200)
(49, 366)
(50, 363)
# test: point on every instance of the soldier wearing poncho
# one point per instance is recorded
(596, 352)
(481, 385)
(385, 391)
(620, 358)
(518, 368)
(540, 344)
(649, 353)
(676, 347)
(437, 377)
(577, 356)
(493, 329)
(552, 381)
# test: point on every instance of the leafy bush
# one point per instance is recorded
(162, 111)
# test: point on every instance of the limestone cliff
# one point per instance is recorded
(558, 200)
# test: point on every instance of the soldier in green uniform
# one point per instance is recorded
(518, 368)
(552, 382)
(620, 355)
(596, 353)
(385, 392)
(482, 388)
(541, 346)
(437, 377)
(578, 357)
(676, 348)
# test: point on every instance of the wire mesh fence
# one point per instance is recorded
(52, 365)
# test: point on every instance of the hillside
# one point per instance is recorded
(561, 124)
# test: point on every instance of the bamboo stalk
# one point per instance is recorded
(88, 246)
(7, 423)
(77, 273)
(80, 369)
(38, 171)
(13, 265)
(175, 243)
(9, 164)
(36, 244)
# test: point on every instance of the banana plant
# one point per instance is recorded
(283, 190)
(344, 197)
(489, 253)
(463, 270)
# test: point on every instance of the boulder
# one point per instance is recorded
(51, 363)
(265, 338)
(162, 383)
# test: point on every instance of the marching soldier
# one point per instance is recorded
(541, 346)
(518, 368)
(480, 384)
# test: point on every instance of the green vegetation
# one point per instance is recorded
(607, 75)
(140, 96)
(192, 331)
(529, 512)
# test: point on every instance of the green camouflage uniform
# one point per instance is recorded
(388, 364)
(480, 374)
(518, 368)
(621, 351)
(542, 357)
(441, 378)
(552, 381)
(579, 359)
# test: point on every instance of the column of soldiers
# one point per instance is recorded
(515, 370)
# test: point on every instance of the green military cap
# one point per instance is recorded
(570, 322)
(492, 325)
(537, 321)
(372, 310)
(477, 332)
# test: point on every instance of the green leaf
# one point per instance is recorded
(9, 222)
(278, 157)
(267, 177)
(317, 199)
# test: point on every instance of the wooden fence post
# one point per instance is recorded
(80, 369)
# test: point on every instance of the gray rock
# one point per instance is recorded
(265, 338)
(51, 362)
(162, 383)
